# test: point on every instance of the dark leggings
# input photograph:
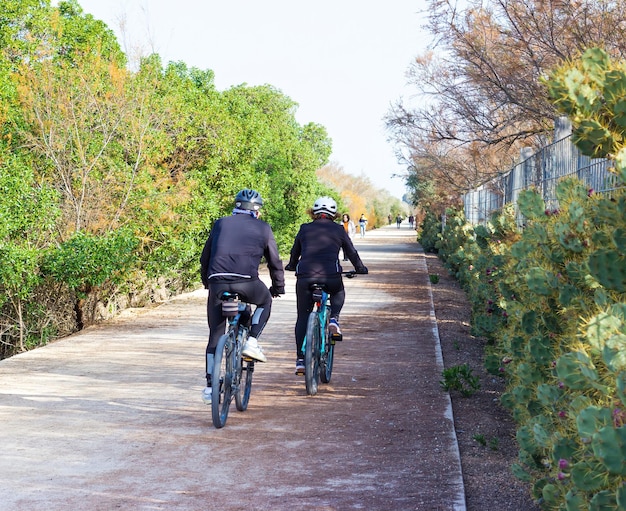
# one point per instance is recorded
(333, 286)
(250, 291)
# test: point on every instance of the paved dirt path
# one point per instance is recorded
(111, 418)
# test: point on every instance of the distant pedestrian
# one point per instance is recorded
(389, 218)
(398, 220)
(349, 227)
(362, 224)
(411, 220)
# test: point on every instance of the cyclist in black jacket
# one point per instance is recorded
(230, 262)
(315, 259)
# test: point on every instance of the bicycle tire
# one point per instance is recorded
(312, 354)
(242, 396)
(326, 358)
(243, 383)
(222, 380)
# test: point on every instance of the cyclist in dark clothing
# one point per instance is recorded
(315, 259)
(230, 262)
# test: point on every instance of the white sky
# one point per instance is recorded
(343, 61)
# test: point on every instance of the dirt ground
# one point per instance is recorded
(484, 429)
(111, 418)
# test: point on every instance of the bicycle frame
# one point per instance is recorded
(229, 365)
(319, 351)
(322, 312)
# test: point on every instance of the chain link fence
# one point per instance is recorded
(542, 171)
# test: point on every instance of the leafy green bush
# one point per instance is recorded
(430, 232)
(86, 261)
(455, 243)
(127, 190)
(460, 378)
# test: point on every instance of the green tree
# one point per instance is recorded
(113, 178)
(27, 218)
(266, 149)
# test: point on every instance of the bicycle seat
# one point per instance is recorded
(317, 292)
(230, 304)
(227, 295)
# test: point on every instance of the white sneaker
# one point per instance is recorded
(252, 349)
(333, 327)
(300, 367)
(207, 395)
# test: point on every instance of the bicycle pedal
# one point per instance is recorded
(247, 359)
(336, 338)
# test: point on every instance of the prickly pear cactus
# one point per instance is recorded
(551, 300)
(592, 92)
(564, 342)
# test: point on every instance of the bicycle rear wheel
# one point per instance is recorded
(244, 379)
(326, 358)
(222, 379)
(312, 354)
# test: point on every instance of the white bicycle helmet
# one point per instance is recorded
(325, 205)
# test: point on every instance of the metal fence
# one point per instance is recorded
(541, 171)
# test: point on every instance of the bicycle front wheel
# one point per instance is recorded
(244, 381)
(312, 354)
(222, 379)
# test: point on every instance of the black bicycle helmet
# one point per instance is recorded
(325, 205)
(249, 199)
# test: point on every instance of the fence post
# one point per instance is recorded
(521, 176)
(562, 128)
(557, 160)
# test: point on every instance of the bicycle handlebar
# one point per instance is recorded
(349, 274)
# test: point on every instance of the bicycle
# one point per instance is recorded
(232, 372)
(319, 346)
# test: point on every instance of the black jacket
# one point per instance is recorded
(315, 251)
(234, 250)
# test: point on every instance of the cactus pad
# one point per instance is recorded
(548, 395)
(541, 281)
(592, 419)
(575, 502)
(619, 238)
(588, 475)
(551, 494)
(531, 204)
(609, 446)
(576, 370)
(604, 500)
(608, 267)
(567, 237)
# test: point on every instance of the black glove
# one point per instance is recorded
(290, 268)
(362, 270)
(277, 291)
